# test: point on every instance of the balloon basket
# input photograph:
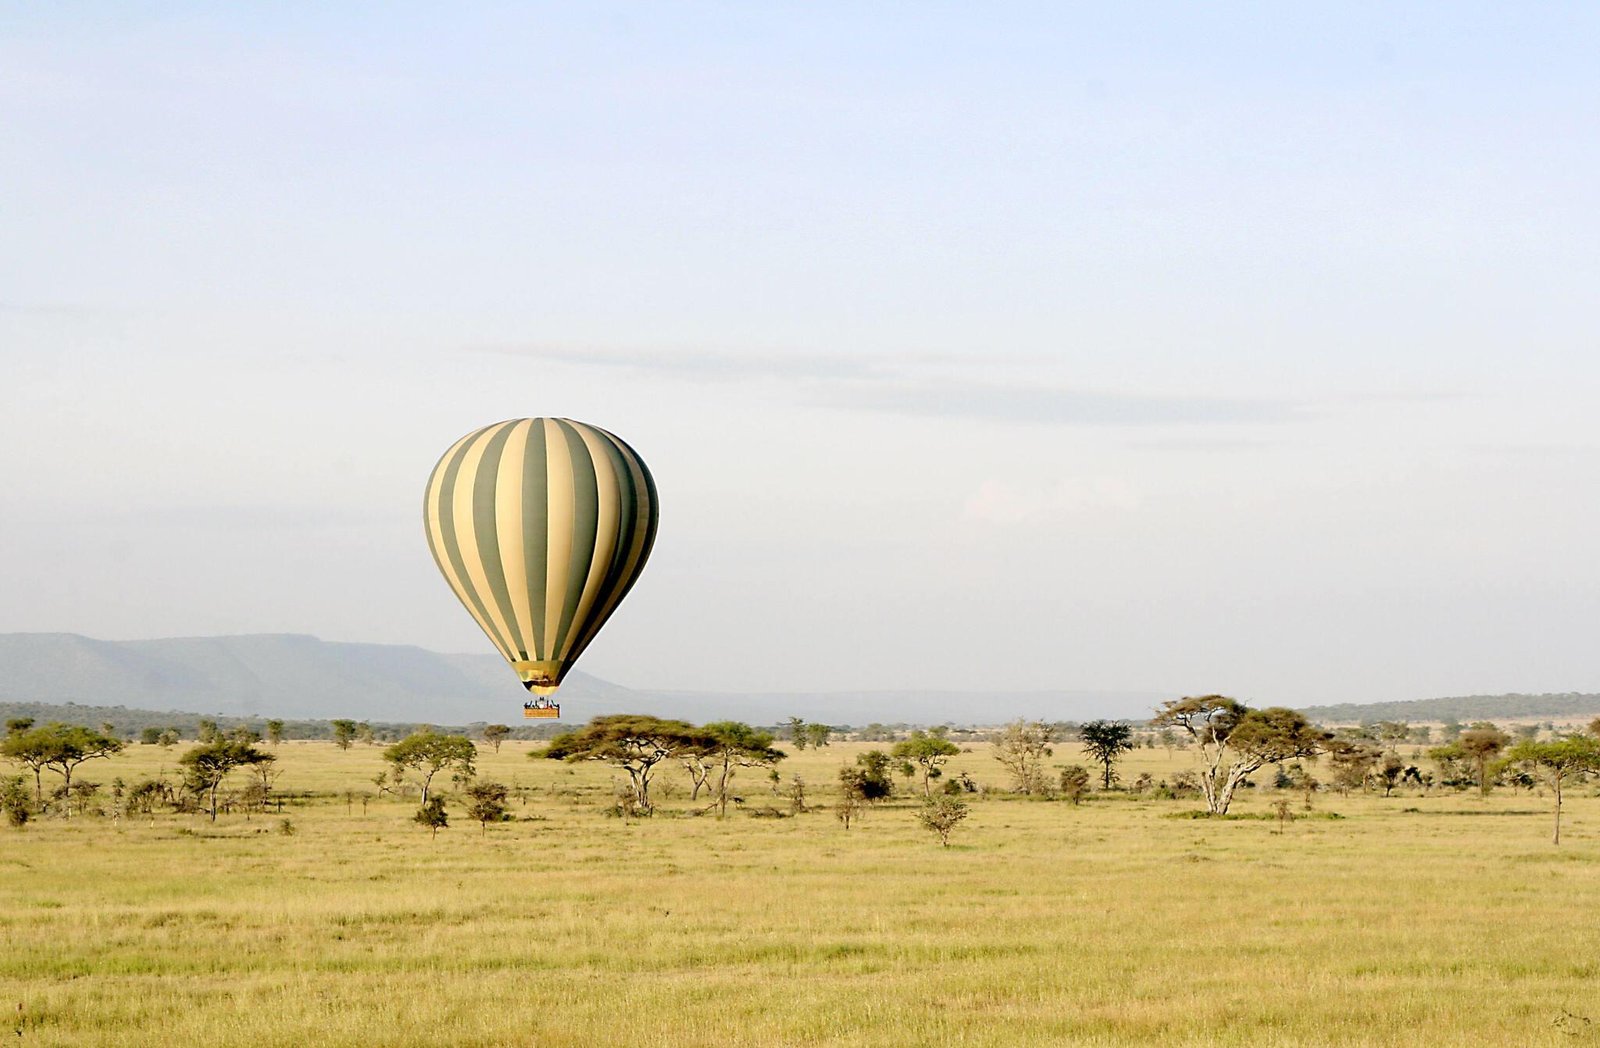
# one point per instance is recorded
(541, 711)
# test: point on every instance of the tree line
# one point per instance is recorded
(1232, 742)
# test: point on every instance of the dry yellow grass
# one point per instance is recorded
(1106, 924)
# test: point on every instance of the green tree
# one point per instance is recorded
(727, 746)
(1235, 740)
(364, 734)
(14, 801)
(18, 724)
(58, 747)
(818, 735)
(928, 751)
(275, 731)
(433, 816)
(1075, 782)
(1021, 748)
(1106, 741)
(208, 731)
(207, 765)
(428, 752)
(486, 803)
(852, 798)
(941, 815)
(344, 733)
(495, 734)
(875, 783)
(1559, 761)
(1477, 746)
(636, 743)
(798, 733)
(149, 736)
(1353, 761)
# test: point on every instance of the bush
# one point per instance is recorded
(941, 815)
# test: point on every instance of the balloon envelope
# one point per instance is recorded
(540, 526)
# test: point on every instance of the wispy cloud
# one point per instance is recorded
(929, 385)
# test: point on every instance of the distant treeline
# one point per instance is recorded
(1463, 708)
(130, 723)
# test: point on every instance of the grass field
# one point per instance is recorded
(1108, 923)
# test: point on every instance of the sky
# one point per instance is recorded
(1239, 348)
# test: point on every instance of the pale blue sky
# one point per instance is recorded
(1250, 348)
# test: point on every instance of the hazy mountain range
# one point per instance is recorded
(297, 676)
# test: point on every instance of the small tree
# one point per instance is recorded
(428, 752)
(1235, 740)
(149, 736)
(14, 801)
(208, 731)
(1105, 742)
(1559, 761)
(725, 747)
(487, 803)
(1477, 747)
(798, 733)
(207, 765)
(433, 816)
(876, 784)
(1075, 782)
(1022, 747)
(941, 815)
(1352, 761)
(344, 733)
(364, 734)
(928, 751)
(275, 731)
(818, 735)
(495, 734)
(852, 798)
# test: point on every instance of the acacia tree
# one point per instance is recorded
(729, 745)
(1559, 761)
(207, 765)
(1235, 740)
(344, 733)
(487, 803)
(1478, 746)
(60, 748)
(1022, 747)
(495, 734)
(927, 751)
(636, 743)
(275, 731)
(428, 752)
(1105, 741)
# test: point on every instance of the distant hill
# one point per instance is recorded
(294, 676)
(1462, 708)
(277, 675)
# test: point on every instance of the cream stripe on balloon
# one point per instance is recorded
(558, 561)
(467, 542)
(508, 524)
(433, 510)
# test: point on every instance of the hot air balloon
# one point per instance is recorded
(540, 526)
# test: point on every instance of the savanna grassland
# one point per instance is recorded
(1440, 919)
